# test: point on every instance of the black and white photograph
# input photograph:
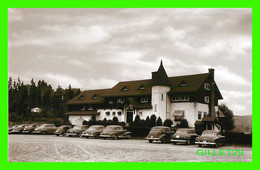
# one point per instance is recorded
(130, 85)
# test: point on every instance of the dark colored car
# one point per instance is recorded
(45, 129)
(184, 135)
(19, 128)
(159, 133)
(115, 132)
(76, 130)
(93, 131)
(62, 130)
(30, 128)
(210, 137)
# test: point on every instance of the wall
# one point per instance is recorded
(73, 118)
(190, 110)
(161, 108)
(145, 113)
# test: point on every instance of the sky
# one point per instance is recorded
(96, 48)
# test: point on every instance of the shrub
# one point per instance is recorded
(159, 122)
(147, 122)
(183, 124)
(137, 119)
(168, 123)
(153, 120)
(141, 123)
(115, 119)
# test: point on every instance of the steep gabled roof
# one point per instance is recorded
(160, 78)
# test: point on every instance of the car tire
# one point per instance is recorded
(163, 140)
(115, 137)
(188, 142)
(150, 141)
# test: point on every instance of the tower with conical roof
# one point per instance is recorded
(161, 85)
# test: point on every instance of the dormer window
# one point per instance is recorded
(110, 101)
(90, 108)
(124, 88)
(81, 97)
(207, 86)
(120, 100)
(141, 88)
(144, 99)
(183, 84)
(206, 99)
(83, 108)
(94, 96)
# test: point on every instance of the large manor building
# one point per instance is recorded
(191, 97)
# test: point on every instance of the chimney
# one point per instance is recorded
(212, 93)
(211, 71)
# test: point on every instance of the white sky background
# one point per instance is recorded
(96, 48)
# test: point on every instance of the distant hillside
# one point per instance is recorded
(243, 123)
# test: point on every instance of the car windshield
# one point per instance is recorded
(158, 129)
(95, 128)
(31, 126)
(112, 128)
(78, 127)
(184, 131)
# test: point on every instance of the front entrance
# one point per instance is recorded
(129, 116)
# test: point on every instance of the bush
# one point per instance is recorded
(168, 123)
(141, 123)
(147, 122)
(153, 120)
(115, 119)
(137, 119)
(159, 122)
(122, 123)
(183, 124)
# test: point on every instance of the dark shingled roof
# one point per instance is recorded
(160, 77)
(208, 119)
(91, 112)
(138, 105)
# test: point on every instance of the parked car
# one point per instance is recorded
(159, 133)
(45, 129)
(11, 128)
(30, 128)
(93, 131)
(62, 130)
(19, 128)
(210, 137)
(76, 130)
(115, 132)
(184, 135)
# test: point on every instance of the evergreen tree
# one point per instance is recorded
(153, 120)
(159, 122)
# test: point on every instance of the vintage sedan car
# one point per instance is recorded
(30, 128)
(62, 130)
(76, 130)
(45, 129)
(184, 135)
(19, 128)
(115, 132)
(210, 137)
(93, 131)
(159, 133)
(11, 128)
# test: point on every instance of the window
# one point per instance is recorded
(205, 114)
(81, 97)
(124, 88)
(140, 113)
(110, 101)
(141, 87)
(183, 84)
(155, 107)
(121, 101)
(107, 113)
(114, 113)
(119, 113)
(186, 98)
(206, 99)
(83, 108)
(181, 98)
(175, 98)
(144, 99)
(95, 96)
(90, 108)
(162, 97)
(207, 86)
(199, 115)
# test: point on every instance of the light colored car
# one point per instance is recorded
(30, 128)
(115, 132)
(184, 135)
(76, 130)
(11, 128)
(45, 129)
(210, 137)
(19, 128)
(93, 131)
(159, 133)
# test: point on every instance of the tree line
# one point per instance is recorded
(23, 97)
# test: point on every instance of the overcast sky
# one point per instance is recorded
(96, 48)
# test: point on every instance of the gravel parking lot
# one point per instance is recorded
(49, 148)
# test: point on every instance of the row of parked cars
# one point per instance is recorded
(157, 133)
